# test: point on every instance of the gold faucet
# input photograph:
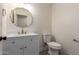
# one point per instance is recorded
(22, 31)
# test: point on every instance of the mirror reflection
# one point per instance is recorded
(21, 17)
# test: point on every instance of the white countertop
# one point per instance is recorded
(19, 35)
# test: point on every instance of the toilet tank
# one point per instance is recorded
(47, 38)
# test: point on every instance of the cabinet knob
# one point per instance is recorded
(31, 39)
(25, 47)
(21, 48)
(13, 42)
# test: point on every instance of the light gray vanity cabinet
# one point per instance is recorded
(27, 45)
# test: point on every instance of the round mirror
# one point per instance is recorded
(21, 17)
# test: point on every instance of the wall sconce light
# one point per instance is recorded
(3, 12)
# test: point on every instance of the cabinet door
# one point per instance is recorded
(28, 50)
(19, 42)
(35, 44)
(9, 47)
(32, 46)
(12, 46)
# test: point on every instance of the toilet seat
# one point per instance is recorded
(54, 45)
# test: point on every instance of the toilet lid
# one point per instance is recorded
(54, 44)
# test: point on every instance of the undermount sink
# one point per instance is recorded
(18, 35)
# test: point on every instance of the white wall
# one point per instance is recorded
(65, 26)
(0, 27)
(41, 18)
(0, 19)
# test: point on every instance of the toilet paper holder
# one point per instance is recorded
(75, 40)
(3, 38)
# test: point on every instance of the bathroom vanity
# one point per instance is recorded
(21, 45)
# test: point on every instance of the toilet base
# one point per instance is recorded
(53, 51)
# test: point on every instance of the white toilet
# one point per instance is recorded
(53, 47)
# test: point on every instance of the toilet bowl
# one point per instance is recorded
(53, 47)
